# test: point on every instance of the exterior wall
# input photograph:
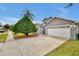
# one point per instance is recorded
(73, 32)
(59, 32)
(78, 29)
(69, 33)
(38, 30)
(58, 22)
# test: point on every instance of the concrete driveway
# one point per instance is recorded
(34, 46)
(40, 45)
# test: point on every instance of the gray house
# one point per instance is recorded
(59, 27)
(39, 28)
(1, 28)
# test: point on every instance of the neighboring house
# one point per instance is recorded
(60, 27)
(1, 28)
(46, 20)
(39, 28)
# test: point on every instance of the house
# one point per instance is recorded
(59, 27)
(78, 26)
(1, 28)
(46, 20)
(39, 28)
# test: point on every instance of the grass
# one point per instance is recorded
(3, 37)
(70, 48)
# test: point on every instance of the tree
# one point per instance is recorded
(68, 5)
(6, 26)
(28, 14)
(24, 25)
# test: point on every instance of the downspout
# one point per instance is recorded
(77, 28)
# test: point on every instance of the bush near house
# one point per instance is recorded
(70, 48)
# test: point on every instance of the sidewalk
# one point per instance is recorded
(10, 47)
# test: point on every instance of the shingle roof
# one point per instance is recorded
(59, 18)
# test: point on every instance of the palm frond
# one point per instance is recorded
(28, 13)
(68, 5)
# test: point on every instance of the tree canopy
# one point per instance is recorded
(6, 26)
(68, 5)
(24, 25)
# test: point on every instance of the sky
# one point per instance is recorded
(10, 13)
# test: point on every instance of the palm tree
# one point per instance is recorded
(25, 24)
(28, 14)
(68, 5)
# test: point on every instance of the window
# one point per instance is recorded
(60, 27)
(52, 27)
(63, 26)
(45, 22)
(67, 26)
(49, 27)
(57, 27)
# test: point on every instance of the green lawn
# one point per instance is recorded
(3, 37)
(70, 48)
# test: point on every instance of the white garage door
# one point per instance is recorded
(60, 32)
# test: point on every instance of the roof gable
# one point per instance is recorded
(59, 21)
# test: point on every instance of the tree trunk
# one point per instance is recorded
(26, 34)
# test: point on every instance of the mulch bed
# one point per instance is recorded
(21, 37)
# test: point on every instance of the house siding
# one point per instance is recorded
(73, 32)
(58, 22)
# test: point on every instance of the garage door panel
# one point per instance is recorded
(65, 33)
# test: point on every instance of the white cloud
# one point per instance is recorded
(8, 20)
(13, 20)
(2, 8)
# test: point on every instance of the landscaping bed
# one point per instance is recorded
(3, 37)
(70, 48)
(20, 35)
